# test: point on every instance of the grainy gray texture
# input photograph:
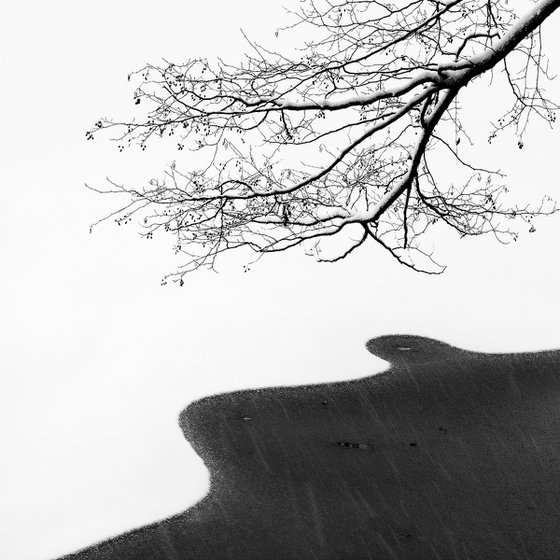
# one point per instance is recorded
(449, 454)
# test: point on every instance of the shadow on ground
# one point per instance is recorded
(448, 454)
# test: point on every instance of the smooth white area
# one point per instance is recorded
(97, 360)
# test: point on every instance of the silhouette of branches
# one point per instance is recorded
(341, 138)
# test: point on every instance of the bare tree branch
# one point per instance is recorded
(303, 148)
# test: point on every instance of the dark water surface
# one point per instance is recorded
(449, 454)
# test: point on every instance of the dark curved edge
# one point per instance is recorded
(447, 454)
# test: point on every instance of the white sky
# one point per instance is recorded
(97, 359)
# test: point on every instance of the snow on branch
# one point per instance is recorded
(342, 136)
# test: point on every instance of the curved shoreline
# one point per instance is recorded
(446, 454)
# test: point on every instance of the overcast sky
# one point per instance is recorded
(98, 360)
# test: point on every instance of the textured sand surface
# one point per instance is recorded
(448, 455)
